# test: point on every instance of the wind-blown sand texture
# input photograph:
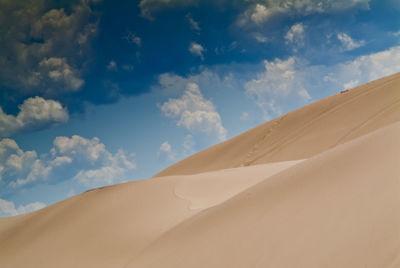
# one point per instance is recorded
(317, 187)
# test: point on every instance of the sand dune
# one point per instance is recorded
(109, 226)
(318, 187)
(305, 132)
(338, 209)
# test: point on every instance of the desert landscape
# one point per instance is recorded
(316, 187)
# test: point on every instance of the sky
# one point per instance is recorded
(98, 92)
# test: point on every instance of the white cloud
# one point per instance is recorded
(278, 82)
(97, 177)
(348, 43)
(167, 151)
(396, 34)
(197, 50)
(101, 167)
(194, 112)
(261, 12)
(285, 84)
(351, 84)
(295, 36)
(7, 208)
(85, 160)
(365, 68)
(52, 66)
(105, 168)
(170, 84)
(18, 167)
(304, 95)
(34, 113)
(193, 24)
(112, 66)
(79, 147)
(260, 38)
(165, 147)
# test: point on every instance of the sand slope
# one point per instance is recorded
(338, 209)
(110, 226)
(305, 132)
(338, 206)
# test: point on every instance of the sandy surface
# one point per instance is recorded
(336, 205)
(110, 226)
(338, 209)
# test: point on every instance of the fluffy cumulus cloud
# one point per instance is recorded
(349, 43)
(34, 113)
(46, 46)
(18, 167)
(194, 112)
(79, 147)
(262, 11)
(111, 169)
(259, 14)
(8, 208)
(295, 36)
(197, 50)
(85, 160)
(98, 165)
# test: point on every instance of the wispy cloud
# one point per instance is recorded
(112, 66)
(279, 80)
(167, 152)
(193, 24)
(349, 43)
(292, 80)
(133, 39)
(295, 36)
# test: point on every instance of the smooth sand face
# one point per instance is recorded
(109, 227)
(337, 207)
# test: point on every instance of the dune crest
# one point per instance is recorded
(304, 132)
(340, 208)
(317, 187)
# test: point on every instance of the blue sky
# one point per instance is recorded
(97, 92)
